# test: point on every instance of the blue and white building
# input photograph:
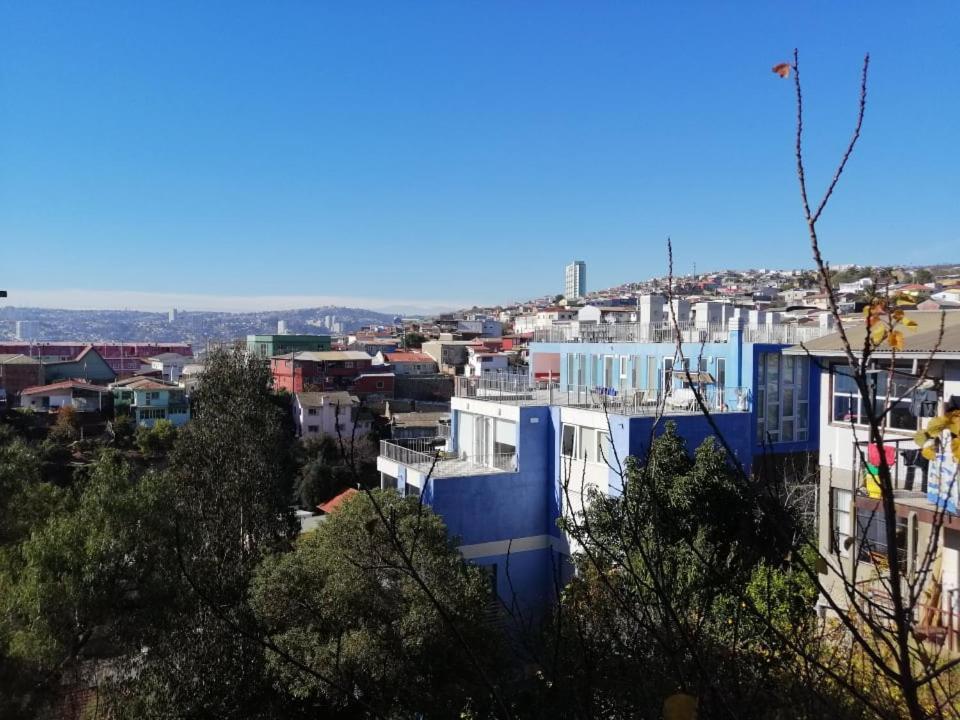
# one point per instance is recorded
(523, 452)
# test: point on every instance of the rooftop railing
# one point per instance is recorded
(663, 332)
(422, 455)
(520, 390)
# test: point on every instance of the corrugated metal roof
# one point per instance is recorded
(63, 385)
(326, 356)
(921, 340)
(18, 359)
(319, 399)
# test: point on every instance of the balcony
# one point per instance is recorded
(520, 390)
(423, 456)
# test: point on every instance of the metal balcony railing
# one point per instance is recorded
(663, 332)
(520, 390)
(420, 455)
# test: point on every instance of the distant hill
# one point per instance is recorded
(194, 327)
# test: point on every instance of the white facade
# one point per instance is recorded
(28, 329)
(575, 280)
(170, 365)
(480, 363)
(333, 413)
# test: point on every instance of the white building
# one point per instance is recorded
(480, 362)
(170, 365)
(28, 329)
(328, 413)
(851, 529)
(857, 286)
(407, 362)
(575, 280)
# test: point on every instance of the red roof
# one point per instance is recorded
(63, 385)
(333, 503)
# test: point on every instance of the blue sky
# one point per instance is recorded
(446, 153)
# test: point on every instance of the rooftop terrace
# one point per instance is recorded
(666, 332)
(513, 389)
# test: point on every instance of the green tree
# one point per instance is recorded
(346, 605)
(156, 441)
(679, 581)
(414, 340)
(229, 479)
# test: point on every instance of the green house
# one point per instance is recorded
(270, 345)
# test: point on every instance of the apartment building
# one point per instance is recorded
(852, 530)
(319, 371)
(520, 454)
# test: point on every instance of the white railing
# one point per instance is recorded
(783, 334)
(627, 401)
(635, 332)
(439, 463)
(682, 400)
(684, 331)
(516, 389)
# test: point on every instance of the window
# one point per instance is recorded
(907, 409)
(667, 374)
(588, 444)
(568, 440)
(637, 372)
(379, 384)
(651, 372)
(872, 538)
(313, 428)
(604, 449)
(312, 411)
(782, 400)
(840, 520)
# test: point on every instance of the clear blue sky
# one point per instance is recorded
(453, 152)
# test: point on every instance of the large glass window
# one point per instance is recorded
(782, 399)
(908, 406)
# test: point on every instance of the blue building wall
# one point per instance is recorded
(741, 371)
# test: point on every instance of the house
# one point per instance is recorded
(857, 286)
(409, 425)
(330, 505)
(374, 385)
(337, 414)
(18, 372)
(146, 400)
(124, 358)
(318, 371)
(269, 345)
(170, 365)
(851, 530)
(480, 362)
(450, 355)
(88, 365)
(407, 362)
(482, 327)
(373, 345)
(82, 396)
